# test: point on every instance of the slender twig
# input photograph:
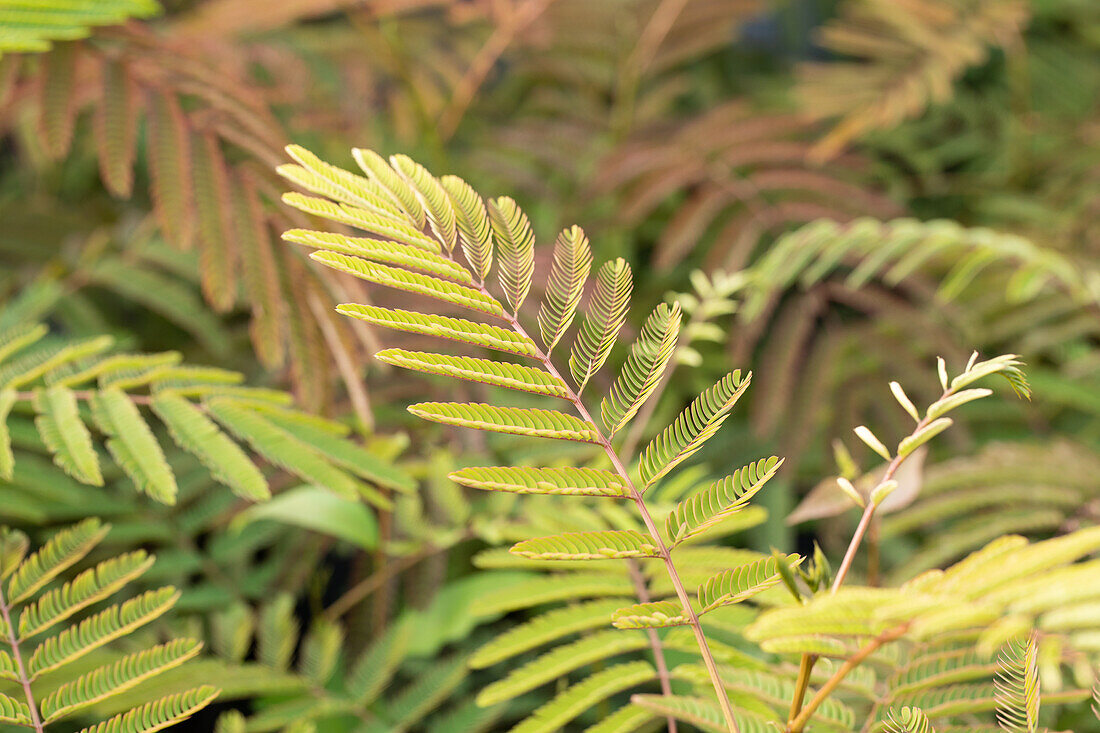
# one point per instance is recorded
(796, 725)
(805, 668)
(21, 670)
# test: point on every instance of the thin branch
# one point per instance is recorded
(17, 657)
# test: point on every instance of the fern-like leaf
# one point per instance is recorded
(369, 221)
(719, 501)
(693, 427)
(603, 318)
(1017, 686)
(112, 679)
(475, 233)
(433, 198)
(314, 174)
(568, 274)
(652, 615)
(14, 711)
(65, 434)
(740, 583)
(455, 329)
(59, 553)
(498, 374)
(132, 444)
(389, 253)
(644, 367)
(532, 422)
(197, 434)
(159, 714)
(526, 480)
(375, 166)
(608, 544)
(576, 699)
(515, 246)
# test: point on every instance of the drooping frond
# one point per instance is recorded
(475, 233)
(721, 500)
(113, 679)
(162, 713)
(533, 422)
(389, 253)
(515, 246)
(741, 583)
(133, 445)
(693, 427)
(437, 204)
(908, 720)
(1017, 685)
(644, 367)
(568, 274)
(609, 544)
(652, 615)
(567, 481)
(65, 434)
(456, 329)
(603, 318)
(411, 282)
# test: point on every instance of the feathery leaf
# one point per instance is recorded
(65, 434)
(644, 367)
(132, 444)
(455, 329)
(437, 204)
(719, 501)
(515, 246)
(527, 480)
(475, 233)
(534, 422)
(740, 583)
(607, 544)
(603, 318)
(496, 373)
(568, 274)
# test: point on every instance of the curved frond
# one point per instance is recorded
(608, 544)
(368, 221)
(693, 427)
(721, 500)
(644, 367)
(112, 679)
(391, 182)
(515, 246)
(526, 480)
(475, 233)
(653, 615)
(568, 274)
(740, 583)
(387, 253)
(533, 422)
(433, 198)
(14, 711)
(1017, 686)
(455, 329)
(159, 714)
(411, 282)
(62, 550)
(133, 445)
(197, 434)
(65, 434)
(603, 318)
(579, 697)
(314, 174)
(496, 373)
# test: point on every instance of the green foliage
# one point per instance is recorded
(32, 26)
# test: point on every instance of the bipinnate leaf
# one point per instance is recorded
(455, 329)
(644, 367)
(377, 250)
(1017, 686)
(719, 501)
(653, 615)
(532, 422)
(499, 374)
(381, 225)
(59, 553)
(603, 318)
(133, 445)
(392, 183)
(475, 233)
(568, 274)
(162, 713)
(577, 698)
(65, 434)
(741, 583)
(601, 545)
(693, 427)
(515, 246)
(567, 481)
(433, 198)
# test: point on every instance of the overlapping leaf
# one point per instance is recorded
(721, 500)
(456, 329)
(644, 367)
(515, 246)
(741, 583)
(603, 318)
(568, 274)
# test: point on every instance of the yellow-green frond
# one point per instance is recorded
(527, 480)
(574, 700)
(335, 183)
(162, 713)
(496, 373)
(433, 198)
(368, 221)
(65, 434)
(475, 233)
(568, 274)
(515, 246)
(603, 318)
(8, 398)
(14, 711)
(133, 445)
(455, 329)
(741, 583)
(59, 553)
(607, 544)
(719, 501)
(644, 367)
(389, 253)
(653, 615)
(907, 720)
(536, 423)
(390, 181)
(1017, 686)
(693, 427)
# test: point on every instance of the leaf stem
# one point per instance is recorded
(17, 657)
